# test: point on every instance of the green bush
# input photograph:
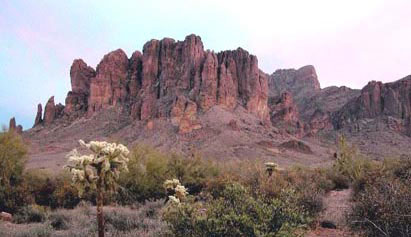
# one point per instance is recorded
(149, 168)
(12, 161)
(309, 185)
(237, 212)
(54, 191)
(31, 214)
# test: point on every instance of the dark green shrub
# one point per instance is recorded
(237, 212)
(149, 168)
(30, 214)
(12, 161)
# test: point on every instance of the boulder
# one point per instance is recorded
(7, 217)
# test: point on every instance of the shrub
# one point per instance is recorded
(309, 185)
(383, 208)
(59, 220)
(382, 199)
(236, 212)
(149, 168)
(12, 162)
(30, 214)
(65, 194)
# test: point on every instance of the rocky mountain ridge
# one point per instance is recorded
(177, 95)
(169, 79)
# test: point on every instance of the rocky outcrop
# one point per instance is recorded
(379, 100)
(77, 98)
(49, 111)
(12, 124)
(14, 127)
(7, 217)
(173, 80)
(284, 114)
(312, 104)
(52, 111)
(38, 120)
(300, 83)
(319, 120)
(283, 109)
(109, 86)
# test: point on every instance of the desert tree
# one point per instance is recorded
(98, 171)
(12, 162)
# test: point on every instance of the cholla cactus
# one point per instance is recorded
(180, 192)
(108, 160)
(99, 171)
(270, 167)
(171, 184)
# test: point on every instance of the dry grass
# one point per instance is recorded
(144, 221)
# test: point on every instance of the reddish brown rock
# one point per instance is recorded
(4, 216)
(80, 75)
(284, 109)
(77, 98)
(240, 79)
(39, 115)
(13, 127)
(169, 69)
(49, 111)
(233, 125)
(209, 80)
(153, 84)
(298, 146)
(19, 129)
(12, 124)
(301, 83)
(378, 100)
(320, 120)
(109, 86)
(184, 115)
(134, 72)
(284, 113)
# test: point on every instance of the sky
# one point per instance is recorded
(349, 42)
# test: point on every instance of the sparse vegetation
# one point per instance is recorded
(244, 198)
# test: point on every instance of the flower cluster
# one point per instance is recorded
(171, 184)
(270, 165)
(179, 190)
(106, 162)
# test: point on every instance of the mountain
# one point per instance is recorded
(177, 96)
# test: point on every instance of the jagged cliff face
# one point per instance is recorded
(389, 101)
(310, 106)
(301, 83)
(177, 96)
(169, 79)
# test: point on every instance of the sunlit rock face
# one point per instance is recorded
(169, 79)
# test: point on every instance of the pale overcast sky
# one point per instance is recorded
(349, 42)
